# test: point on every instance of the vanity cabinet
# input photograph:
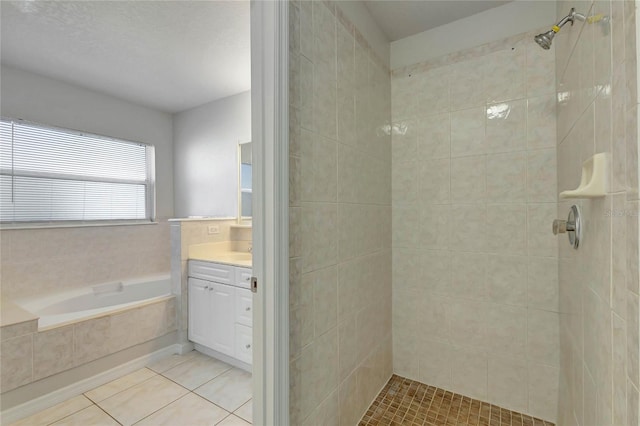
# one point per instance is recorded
(221, 308)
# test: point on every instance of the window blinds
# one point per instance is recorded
(50, 175)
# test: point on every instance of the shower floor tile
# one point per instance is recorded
(161, 395)
(407, 402)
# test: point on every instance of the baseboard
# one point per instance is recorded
(185, 348)
(222, 357)
(43, 402)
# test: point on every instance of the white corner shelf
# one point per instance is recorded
(594, 181)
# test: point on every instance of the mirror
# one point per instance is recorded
(244, 182)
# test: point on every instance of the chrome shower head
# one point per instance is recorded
(545, 39)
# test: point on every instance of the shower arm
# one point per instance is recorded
(572, 16)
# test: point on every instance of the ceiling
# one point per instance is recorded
(399, 19)
(168, 55)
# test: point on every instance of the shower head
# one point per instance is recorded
(545, 39)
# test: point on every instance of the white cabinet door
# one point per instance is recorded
(244, 343)
(199, 311)
(222, 322)
(244, 307)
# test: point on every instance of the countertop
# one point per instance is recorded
(212, 253)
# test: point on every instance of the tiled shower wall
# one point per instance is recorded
(597, 112)
(340, 218)
(475, 284)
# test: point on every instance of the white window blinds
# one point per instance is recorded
(50, 175)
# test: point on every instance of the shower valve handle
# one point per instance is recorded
(572, 227)
(561, 226)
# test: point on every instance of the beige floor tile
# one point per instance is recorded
(93, 416)
(56, 412)
(105, 391)
(233, 421)
(166, 363)
(137, 402)
(189, 410)
(229, 390)
(197, 371)
(246, 411)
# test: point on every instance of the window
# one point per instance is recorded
(56, 175)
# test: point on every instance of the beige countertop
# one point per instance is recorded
(215, 253)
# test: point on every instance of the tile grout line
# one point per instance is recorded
(460, 409)
(107, 413)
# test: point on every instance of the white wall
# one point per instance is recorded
(494, 24)
(47, 101)
(599, 283)
(340, 215)
(205, 156)
(38, 261)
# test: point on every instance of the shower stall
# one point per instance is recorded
(422, 198)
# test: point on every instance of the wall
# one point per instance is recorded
(44, 100)
(340, 282)
(38, 261)
(475, 299)
(485, 27)
(206, 156)
(358, 15)
(597, 112)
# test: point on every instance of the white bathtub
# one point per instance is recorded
(101, 299)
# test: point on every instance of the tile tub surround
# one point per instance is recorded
(598, 112)
(411, 403)
(340, 227)
(152, 397)
(49, 260)
(475, 291)
(29, 355)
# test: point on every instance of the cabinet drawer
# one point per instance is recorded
(243, 277)
(211, 271)
(244, 343)
(244, 308)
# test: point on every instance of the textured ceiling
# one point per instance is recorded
(399, 19)
(169, 55)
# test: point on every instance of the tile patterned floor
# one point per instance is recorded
(191, 389)
(406, 402)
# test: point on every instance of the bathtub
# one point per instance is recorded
(97, 300)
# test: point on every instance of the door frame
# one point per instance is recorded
(270, 137)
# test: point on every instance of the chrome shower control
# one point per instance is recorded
(559, 226)
(572, 227)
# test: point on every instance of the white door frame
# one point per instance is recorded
(270, 137)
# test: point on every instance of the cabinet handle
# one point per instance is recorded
(247, 346)
(206, 287)
(210, 288)
(247, 309)
(248, 279)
